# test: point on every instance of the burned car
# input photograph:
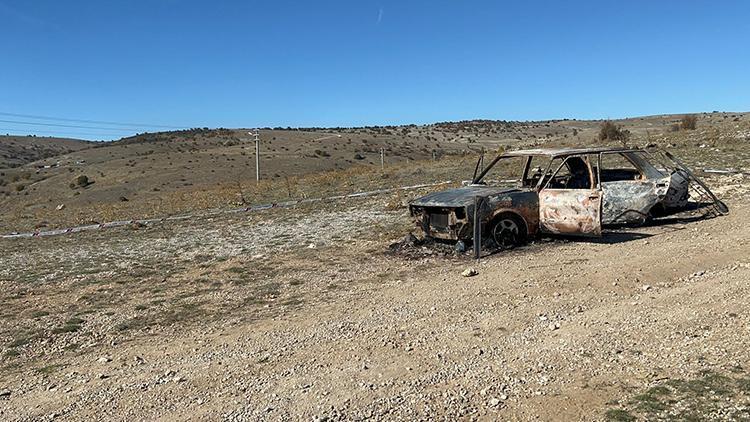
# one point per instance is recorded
(561, 191)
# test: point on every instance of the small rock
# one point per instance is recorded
(178, 379)
(102, 376)
(646, 287)
(60, 207)
(410, 240)
(104, 359)
(460, 247)
(554, 326)
(469, 272)
(311, 246)
(4, 393)
(494, 401)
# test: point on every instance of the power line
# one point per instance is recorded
(19, 122)
(62, 119)
(54, 132)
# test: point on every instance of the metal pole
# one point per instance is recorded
(382, 158)
(477, 227)
(257, 156)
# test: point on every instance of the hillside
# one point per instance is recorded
(165, 173)
(310, 312)
(19, 150)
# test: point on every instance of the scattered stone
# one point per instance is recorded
(469, 272)
(646, 287)
(60, 207)
(135, 225)
(104, 359)
(554, 326)
(178, 379)
(4, 393)
(494, 401)
(102, 376)
(311, 246)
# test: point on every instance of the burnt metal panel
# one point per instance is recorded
(570, 211)
(630, 201)
(459, 197)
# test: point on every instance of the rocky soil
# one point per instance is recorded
(305, 314)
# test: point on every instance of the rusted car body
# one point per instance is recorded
(572, 192)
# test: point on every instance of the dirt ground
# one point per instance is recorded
(303, 314)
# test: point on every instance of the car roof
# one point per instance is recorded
(561, 152)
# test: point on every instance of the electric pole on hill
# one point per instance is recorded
(256, 138)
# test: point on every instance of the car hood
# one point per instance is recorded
(460, 197)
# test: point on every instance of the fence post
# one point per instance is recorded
(477, 227)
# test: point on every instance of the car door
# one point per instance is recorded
(570, 201)
(629, 192)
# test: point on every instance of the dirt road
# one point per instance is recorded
(557, 330)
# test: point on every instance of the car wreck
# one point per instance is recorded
(571, 191)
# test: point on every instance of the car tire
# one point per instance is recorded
(507, 231)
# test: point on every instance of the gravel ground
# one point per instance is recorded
(561, 330)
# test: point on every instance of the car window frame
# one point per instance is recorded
(594, 183)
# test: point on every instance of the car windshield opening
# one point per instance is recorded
(504, 172)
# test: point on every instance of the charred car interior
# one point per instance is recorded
(574, 191)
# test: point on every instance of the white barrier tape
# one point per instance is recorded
(208, 213)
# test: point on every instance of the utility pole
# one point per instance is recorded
(382, 158)
(256, 138)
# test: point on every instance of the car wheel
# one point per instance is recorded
(507, 231)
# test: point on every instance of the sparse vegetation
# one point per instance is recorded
(609, 131)
(693, 399)
(82, 181)
(689, 122)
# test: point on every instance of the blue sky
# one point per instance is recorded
(359, 62)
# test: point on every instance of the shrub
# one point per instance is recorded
(82, 181)
(688, 122)
(19, 188)
(611, 132)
